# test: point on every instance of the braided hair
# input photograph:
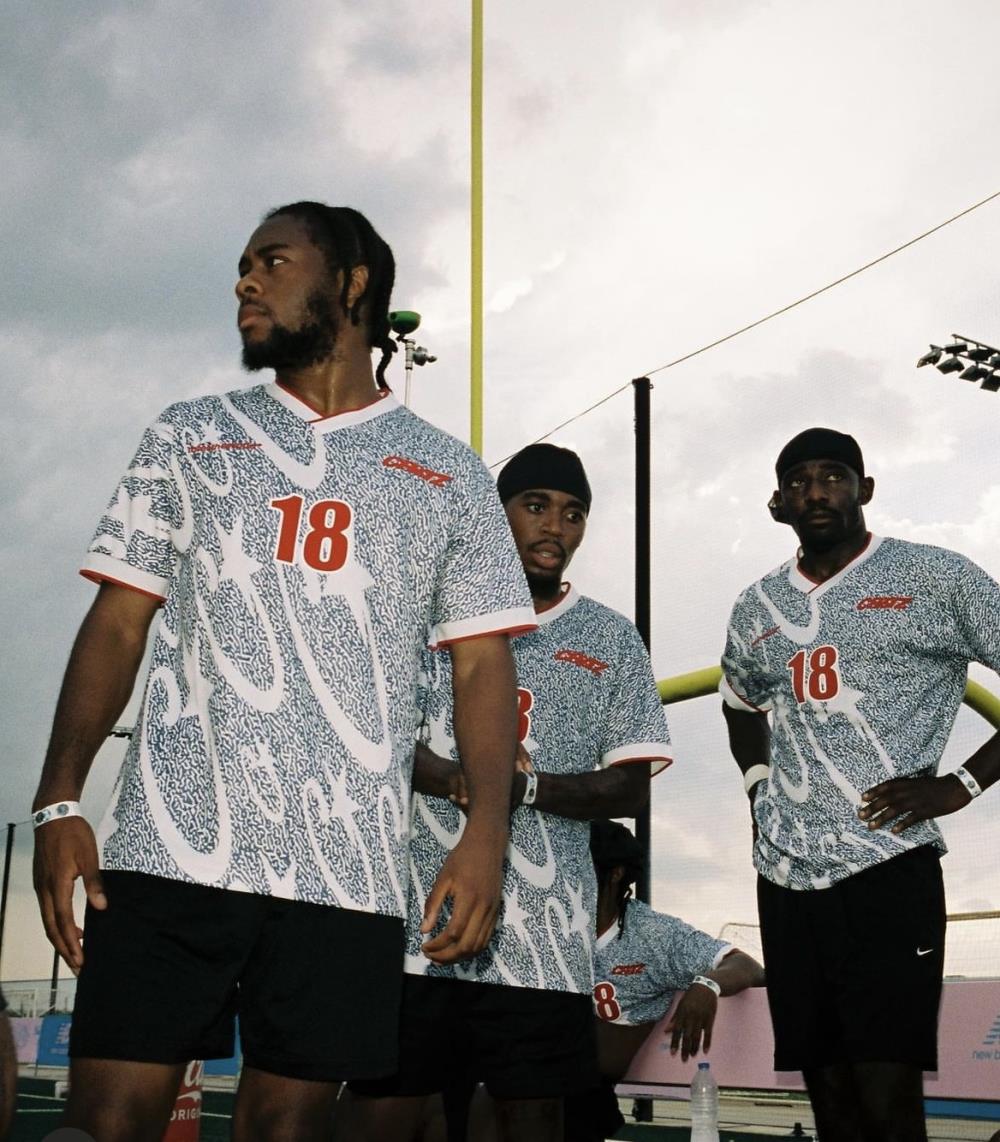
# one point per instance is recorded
(348, 239)
(613, 846)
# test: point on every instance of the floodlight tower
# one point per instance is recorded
(403, 322)
(978, 361)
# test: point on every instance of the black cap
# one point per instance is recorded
(544, 466)
(820, 444)
(611, 844)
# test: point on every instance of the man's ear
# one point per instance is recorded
(866, 489)
(776, 508)
(359, 283)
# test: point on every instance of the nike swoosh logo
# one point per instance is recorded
(924, 951)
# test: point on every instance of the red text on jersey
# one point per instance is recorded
(815, 678)
(628, 969)
(438, 479)
(327, 540)
(578, 658)
(525, 701)
(608, 1007)
(885, 603)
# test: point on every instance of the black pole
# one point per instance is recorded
(642, 1109)
(643, 387)
(6, 881)
(55, 983)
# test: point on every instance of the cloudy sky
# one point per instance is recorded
(658, 174)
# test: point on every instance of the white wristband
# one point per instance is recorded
(530, 788)
(754, 774)
(55, 812)
(970, 783)
(709, 983)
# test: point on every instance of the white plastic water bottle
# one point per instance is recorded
(704, 1106)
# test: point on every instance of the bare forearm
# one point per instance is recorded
(433, 775)
(619, 791)
(749, 737)
(737, 972)
(98, 682)
(484, 689)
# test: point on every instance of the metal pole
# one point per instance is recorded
(55, 983)
(476, 236)
(642, 1109)
(642, 387)
(6, 881)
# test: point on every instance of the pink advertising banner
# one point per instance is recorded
(743, 1048)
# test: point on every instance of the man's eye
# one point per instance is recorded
(274, 259)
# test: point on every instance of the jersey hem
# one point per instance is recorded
(517, 620)
(641, 751)
(735, 700)
(106, 569)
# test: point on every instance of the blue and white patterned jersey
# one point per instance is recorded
(587, 699)
(638, 970)
(863, 676)
(302, 561)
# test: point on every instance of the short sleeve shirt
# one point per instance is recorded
(639, 967)
(863, 675)
(587, 699)
(302, 561)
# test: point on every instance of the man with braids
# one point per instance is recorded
(302, 538)
(843, 671)
(518, 1016)
(641, 959)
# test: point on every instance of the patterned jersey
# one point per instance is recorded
(863, 675)
(587, 699)
(302, 561)
(639, 968)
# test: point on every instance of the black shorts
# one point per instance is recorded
(854, 971)
(521, 1042)
(169, 965)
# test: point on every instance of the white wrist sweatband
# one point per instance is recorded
(530, 788)
(754, 774)
(55, 812)
(970, 783)
(709, 983)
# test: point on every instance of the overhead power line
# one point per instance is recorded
(762, 320)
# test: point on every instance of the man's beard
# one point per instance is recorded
(544, 587)
(288, 349)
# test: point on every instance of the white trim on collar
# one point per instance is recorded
(810, 587)
(382, 403)
(569, 599)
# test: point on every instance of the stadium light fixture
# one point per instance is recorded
(973, 360)
(952, 365)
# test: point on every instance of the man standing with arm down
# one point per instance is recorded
(858, 650)
(519, 1016)
(301, 538)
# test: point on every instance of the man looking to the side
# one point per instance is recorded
(518, 1017)
(857, 649)
(301, 538)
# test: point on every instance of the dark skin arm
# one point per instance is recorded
(906, 800)
(749, 743)
(8, 1075)
(98, 682)
(484, 688)
(690, 1027)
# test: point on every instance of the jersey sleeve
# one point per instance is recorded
(682, 952)
(636, 726)
(976, 605)
(741, 686)
(134, 542)
(481, 587)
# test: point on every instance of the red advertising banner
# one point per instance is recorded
(185, 1120)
